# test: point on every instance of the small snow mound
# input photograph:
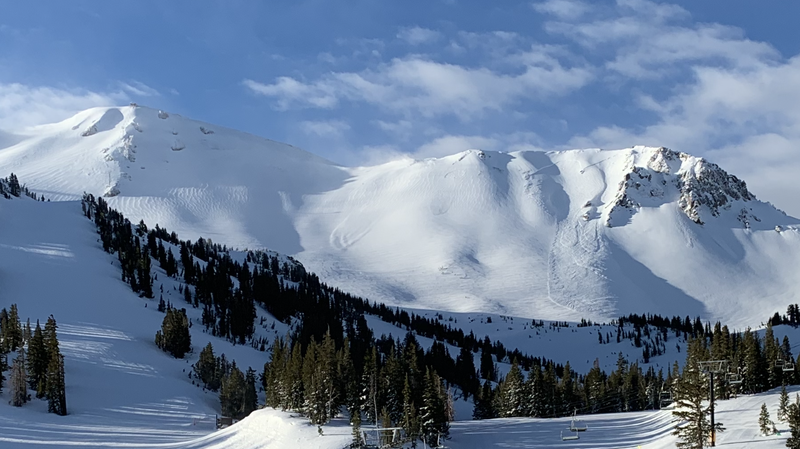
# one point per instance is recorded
(177, 145)
(163, 115)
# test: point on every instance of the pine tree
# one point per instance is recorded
(250, 394)
(512, 393)
(349, 381)
(206, 368)
(689, 393)
(232, 392)
(293, 382)
(783, 404)
(369, 386)
(56, 385)
(433, 419)
(793, 419)
(19, 385)
(11, 330)
(410, 422)
(488, 368)
(484, 403)
(764, 423)
(273, 375)
(3, 367)
(174, 336)
(358, 440)
(37, 362)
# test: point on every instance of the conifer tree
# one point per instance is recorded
(19, 385)
(11, 330)
(38, 361)
(488, 368)
(174, 336)
(250, 394)
(293, 386)
(764, 423)
(370, 386)
(3, 367)
(410, 422)
(232, 392)
(433, 416)
(793, 419)
(314, 396)
(272, 378)
(689, 393)
(512, 393)
(783, 404)
(350, 393)
(56, 385)
(206, 368)
(358, 440)
(484, 403)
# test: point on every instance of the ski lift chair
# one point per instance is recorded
(734, 378)
(577, 425)
(666, 398)
(788, 366)
(570, 436)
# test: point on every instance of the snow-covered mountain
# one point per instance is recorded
(557, 235)
(122, 391)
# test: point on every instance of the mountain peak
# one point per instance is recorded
(551, 235)
(656, 176)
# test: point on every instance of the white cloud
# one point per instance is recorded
(139, 89)
(563, 9)
(22, 105)
(325, 128)
(419, 86)
(651, 40)
(418, 36)
(289, 91)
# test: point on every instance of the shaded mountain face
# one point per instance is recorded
(557, 235)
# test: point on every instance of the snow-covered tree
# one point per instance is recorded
(764, 423)
(512, 399)
(691, 414)
(19, 384)
(793, 419)
(433, 414)
(783, 404)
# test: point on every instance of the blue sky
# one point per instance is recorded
(363, 81)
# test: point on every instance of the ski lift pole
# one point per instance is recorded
(713, 428)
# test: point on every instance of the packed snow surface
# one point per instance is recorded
(560, 235)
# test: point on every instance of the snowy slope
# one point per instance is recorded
(645, 430)
(124, 392)
(559, 235)
(121, 389)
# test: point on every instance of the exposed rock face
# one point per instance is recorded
(697, 185)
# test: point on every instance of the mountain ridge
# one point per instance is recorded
(558, 235)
